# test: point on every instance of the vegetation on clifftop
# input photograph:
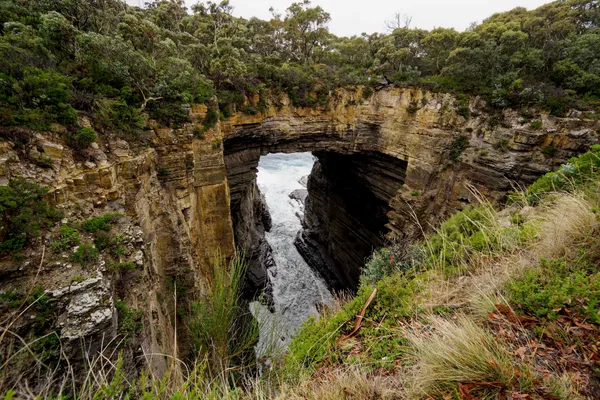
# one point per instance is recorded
(494, 304)
(120, 64)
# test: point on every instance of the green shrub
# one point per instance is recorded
(37, 296)
(211, 118)
(579, 170)
(458, 146)
(42, 96)
(126, 265)
(389, 260)
(43, 161)
(550, 151)
(119, 117)
(558, 285)
(462, 106)
(380, 263)
(130, 321)
(367, 92)
(66, 240)
(502, 145)
(101, 223)
(168, 114)
(536, 125)
(85, 253)
(82, 139)
(162, 172)
(24, 213)
(103, 240)
(198, 133)
(249, 109)
(412, 108)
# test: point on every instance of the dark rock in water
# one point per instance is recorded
(265, 215)
(304, 181)
(345, 215)
(299, 195)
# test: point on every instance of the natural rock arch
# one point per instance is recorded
(398, 160)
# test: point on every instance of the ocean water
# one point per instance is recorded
(297, 289)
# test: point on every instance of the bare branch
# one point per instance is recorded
(400, 21)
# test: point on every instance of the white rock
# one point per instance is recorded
(139, 258)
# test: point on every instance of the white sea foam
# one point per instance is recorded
(297, 289)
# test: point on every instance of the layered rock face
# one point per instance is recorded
(346, 212)
(382, 166)
(395, 163)
(172, 192)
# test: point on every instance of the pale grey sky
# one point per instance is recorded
(352, 17)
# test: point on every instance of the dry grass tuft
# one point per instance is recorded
(561, 222)
(564, 220)
(456, 351)
(349, 383)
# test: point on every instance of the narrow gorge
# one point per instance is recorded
(383, 171)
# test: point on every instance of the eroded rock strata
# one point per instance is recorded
(346, 212)
(413, 163)
(382, 164)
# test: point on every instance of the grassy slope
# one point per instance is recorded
(496, 303)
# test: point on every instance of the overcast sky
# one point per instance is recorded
(352, 17)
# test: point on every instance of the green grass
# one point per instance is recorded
(473, 230)
(221, 327)
(317, 339)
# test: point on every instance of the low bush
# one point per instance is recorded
(103, 240)
(85, 253)
(579, 170)
(536, 125)
(25, 212)
(82, 139)
(557, 285)
(162, 172)
(211, 118)
(473, 230)
(101, 223)
(67, 239)
(501, 145)
(458, 146)
(130, 321)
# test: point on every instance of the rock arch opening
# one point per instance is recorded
(346, 211)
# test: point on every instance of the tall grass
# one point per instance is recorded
(475, 231)
(222, 328)
(457, 351)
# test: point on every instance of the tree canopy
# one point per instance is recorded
(119, 63)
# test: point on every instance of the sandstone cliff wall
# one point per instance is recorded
(177, 193)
